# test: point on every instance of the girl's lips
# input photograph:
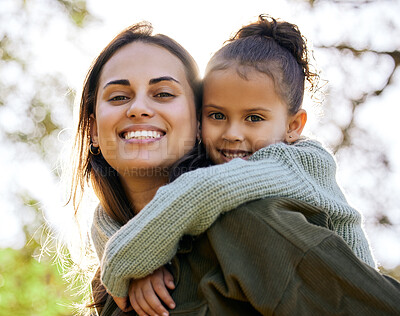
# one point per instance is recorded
(231, 154)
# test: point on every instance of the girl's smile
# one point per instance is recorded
(241, 115)
(230, 154)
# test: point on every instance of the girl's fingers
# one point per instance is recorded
(160, 289)
(146, 295)
(135, 305)
(149, 294)
(123, 303)
(143, 303)
(168, 278)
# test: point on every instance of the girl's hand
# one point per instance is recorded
(145, 294)
(123, 303)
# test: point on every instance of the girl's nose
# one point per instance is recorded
(140, 108)
(233, 134)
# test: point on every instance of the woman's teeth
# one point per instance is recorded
(234, 155)
(142, 135)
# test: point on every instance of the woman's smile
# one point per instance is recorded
(142, 134)
(145, 115)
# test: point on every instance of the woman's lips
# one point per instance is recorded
(142, 134)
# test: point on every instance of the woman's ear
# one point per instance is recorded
(296, 125)
(93, 131)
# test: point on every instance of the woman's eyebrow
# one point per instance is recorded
(122, 82)
(164, 78)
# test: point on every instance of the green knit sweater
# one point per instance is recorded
(189, 205)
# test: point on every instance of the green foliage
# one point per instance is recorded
(76, 10)
(29, 287)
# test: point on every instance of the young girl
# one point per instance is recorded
(253, 92)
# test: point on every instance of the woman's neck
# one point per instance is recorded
(141, 190)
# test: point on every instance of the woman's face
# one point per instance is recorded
(145, 116)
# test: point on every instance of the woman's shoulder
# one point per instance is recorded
(290, 221)
(272, 207)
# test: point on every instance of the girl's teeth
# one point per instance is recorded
(142, 135)
(238, 155)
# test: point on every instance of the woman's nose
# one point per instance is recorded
(140, 108)
(233, 133)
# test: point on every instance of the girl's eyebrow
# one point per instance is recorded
(258, 109)
(122, 82)
(164, 78)
(213, 106)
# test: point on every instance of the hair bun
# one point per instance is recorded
(284, 34)
(265, 26)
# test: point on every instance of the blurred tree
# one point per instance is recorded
(358, 47)
(35, 106)
(27, 96)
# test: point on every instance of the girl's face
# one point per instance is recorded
(145, 114)
(241, 116)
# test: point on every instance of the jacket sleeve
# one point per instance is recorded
(272, 257)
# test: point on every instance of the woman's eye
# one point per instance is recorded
(164, 95)
(118, 98)
(217, 116)
(254, 118)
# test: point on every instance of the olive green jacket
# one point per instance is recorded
(275, 256)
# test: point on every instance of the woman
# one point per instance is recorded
(137, 118)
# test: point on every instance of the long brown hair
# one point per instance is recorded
(94, 169)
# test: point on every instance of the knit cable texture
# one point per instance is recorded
(189, 205)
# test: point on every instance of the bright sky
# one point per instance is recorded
(201, 27)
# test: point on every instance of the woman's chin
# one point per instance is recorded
(144, 168)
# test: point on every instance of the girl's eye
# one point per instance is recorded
(254, 118)
(164, 95)
(217, 116)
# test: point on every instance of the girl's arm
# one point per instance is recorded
(189, 205)
(104, 227)
(192, 203)
(184, 199)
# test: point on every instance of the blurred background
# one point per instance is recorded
(46, 48)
